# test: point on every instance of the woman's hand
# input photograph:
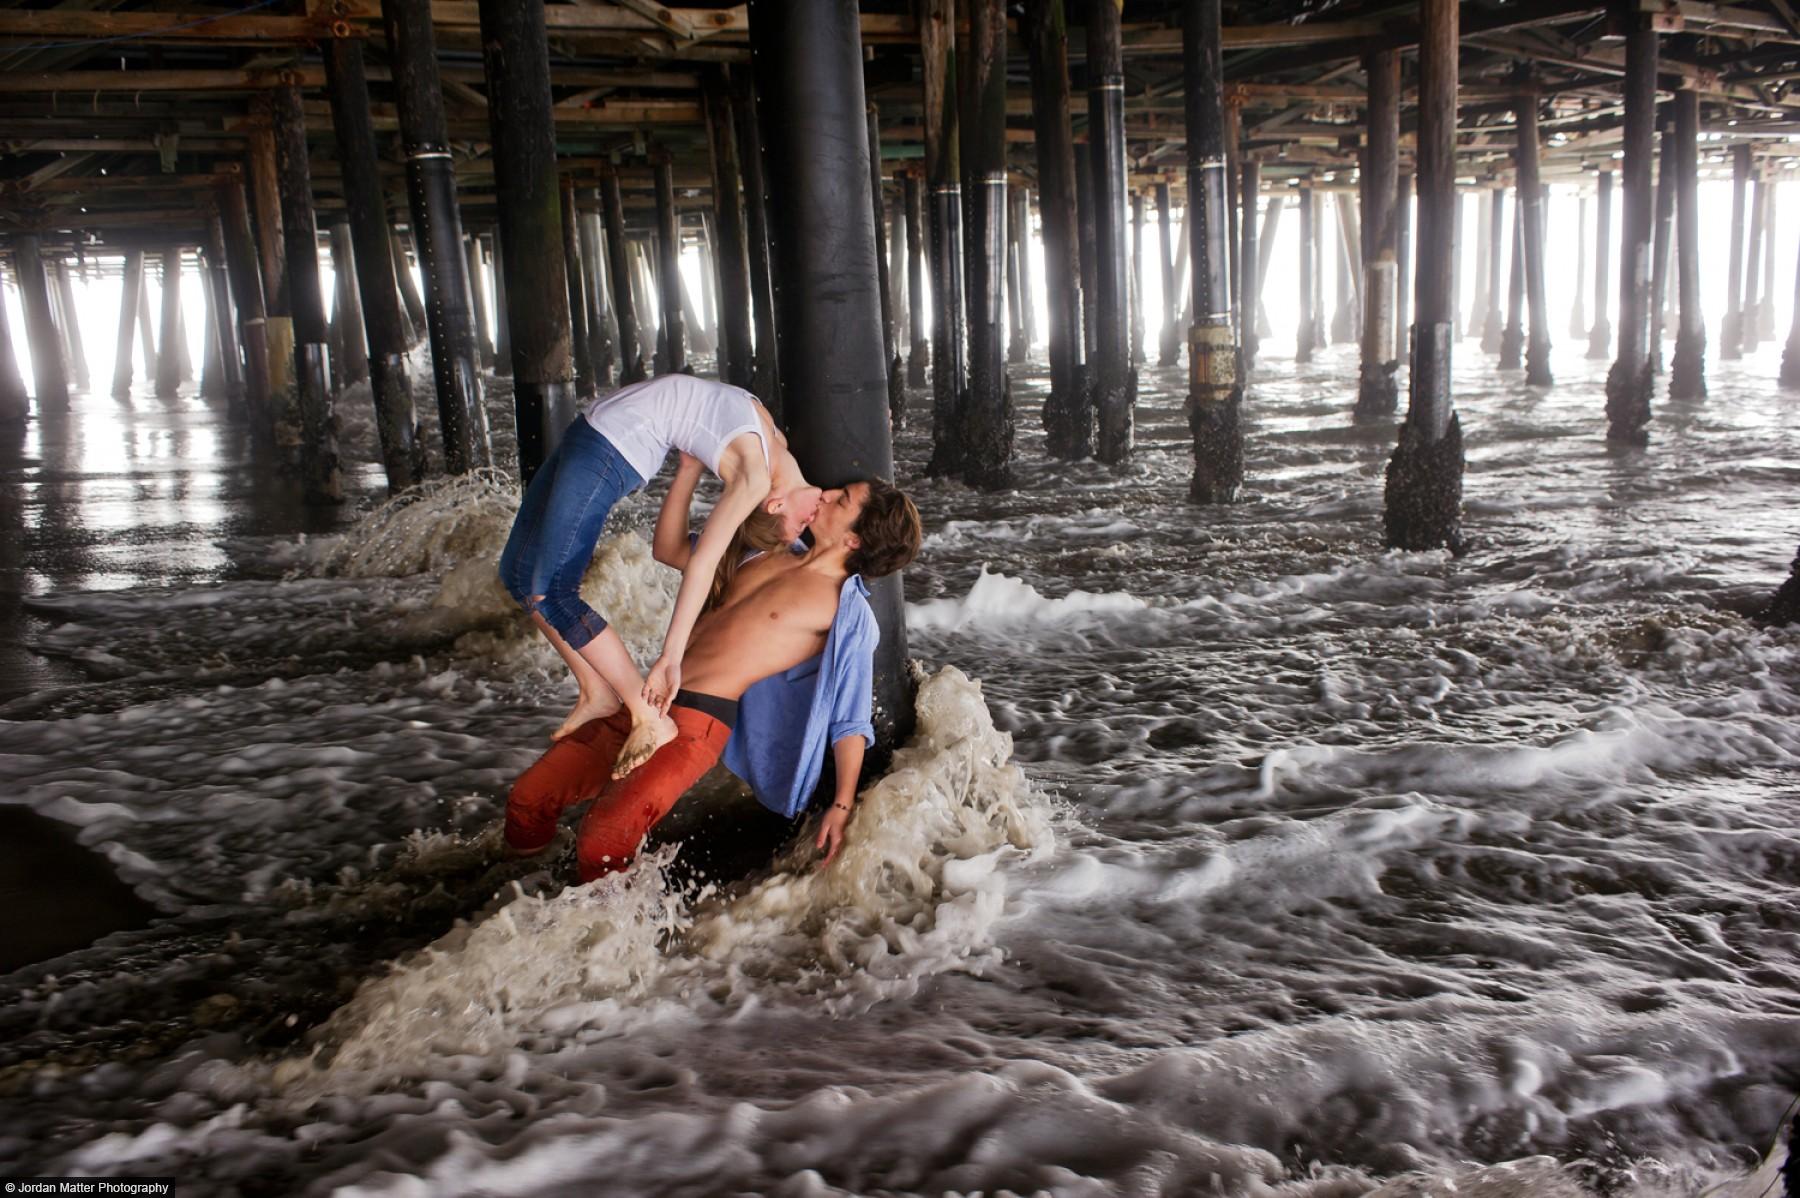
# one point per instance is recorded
(662, 682)
(831, 832)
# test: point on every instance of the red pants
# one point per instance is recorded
(579, 766)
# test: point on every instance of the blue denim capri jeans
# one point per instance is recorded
(558, 525)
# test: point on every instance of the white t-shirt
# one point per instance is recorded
(676, 411)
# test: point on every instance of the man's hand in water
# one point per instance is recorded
(662, 682)
(831, 832)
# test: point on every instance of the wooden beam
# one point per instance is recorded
(92, 82)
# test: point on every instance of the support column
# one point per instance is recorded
(1752, 260)
(1424, 477)
(1600, 334)
(668, 265)
(1168, 342)
(1265, 254)
(1089, 259)
(1484, 268)
(478, 297)
(1403, 248)
(767, 372)
(147, 335)
(1662, 245)
(355, 366)
(516, 64)
(618, 261)
(1731, 332)
(1067, 409)
(1250, 185)
(579, 345)
(1512, 340)
(943, 169)
(1343, 316)
(985, 429)
(1137, 276)
(438, 234)
(75, 353)
(1307, 339)
(212, 356)
(1578, 325)
(1115, 382)
(1021, 223)
(600, 318)
(130, 296)
(1687, 372)
(919, 356)
(809, 67)
(706, 329)
(244, 265)
(224, 332)
(1378, 390)
(50, 382)
(502, 325)
(896, 383)
(1765, 306)
(1628, 383)
(412, 303)
(265, 194)
(1018, 274)
(168, 362)
(15, 405)
(1531, 205)
(737, 364)
(1491, 326)
(318, 425)
(1215, 387)
(1790, 353)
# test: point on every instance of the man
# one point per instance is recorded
(780, 613)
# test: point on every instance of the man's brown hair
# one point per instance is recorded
(889, 530)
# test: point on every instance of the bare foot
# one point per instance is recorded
(586, 710)
(642, 744)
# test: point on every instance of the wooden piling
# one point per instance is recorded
(1249, 186)
(918, 357)
(1578, 326)
(74, 351)
(15, 404)
(516, 65)
(1137, 276)
(1512, 338)
(1494, 321)
(1731, 331)
(317, 431)
(1343, 315)
(943, 169)
(244, 267)
(602, 336)
(1628, 383)
(1599, 334)
(1753, 255)
(1018, 274)
(808, 59)
(1531, 204)
(168, 362)
(767, 373)
(1168, 341)
(1662, 245)
(1088, 258)
(1403, 256)
(984, 426)
(1215, 370)
(1765, 306)
(50, 382)
(1021, 222)
(1378, 391)
(1790, 353)
(1424, 477)
(1115, 382)
(478, 297)
(212, 356)
(348, 306)
(223, 327)
(1484, 267)
(265, 195)
(737, 364)
(896, 381)
(1067, 409)
(438, 235)
(579, 345)
(1307, 335)
(632, 367)
(1687, 371)
(130, 296)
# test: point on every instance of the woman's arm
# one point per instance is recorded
(748, 486)
(847, 757)
(669, 545)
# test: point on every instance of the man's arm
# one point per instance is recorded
(847, 757)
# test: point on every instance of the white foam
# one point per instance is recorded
(996, 599)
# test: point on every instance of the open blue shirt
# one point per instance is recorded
(786, 721)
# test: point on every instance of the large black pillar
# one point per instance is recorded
(1067, 411)
(438, 235)
(809, 73)
(318, 425)
(1378, 389)
(244, 266)
(1628, 383)
(1599, 334)
(736, 355)
(668, 265)
(396, 417)
(1115, 382)
(130, 296)
(985, 430)
(1531, 206)
(50, 382)
(1424, 477)
(1215, 372)
(516, 61)
(943, 169)
(1687, 372)
(919, 353)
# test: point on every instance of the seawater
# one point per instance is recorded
(1234, 854)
